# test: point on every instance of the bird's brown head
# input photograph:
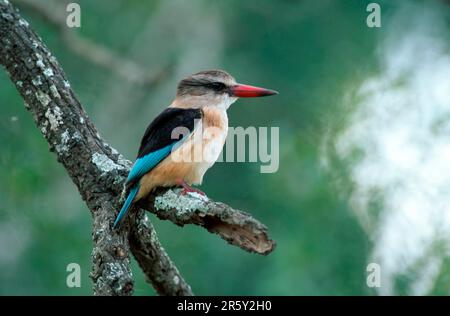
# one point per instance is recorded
(214, 88)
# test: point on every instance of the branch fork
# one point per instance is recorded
(99, 171)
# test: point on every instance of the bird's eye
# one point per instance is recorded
(217, 86)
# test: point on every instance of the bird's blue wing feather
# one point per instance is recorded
(127, 204)
(158, 134)
(141, 167)
(148, 162)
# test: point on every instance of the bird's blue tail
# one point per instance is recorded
(134, 190)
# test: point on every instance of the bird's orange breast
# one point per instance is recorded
(194, 157)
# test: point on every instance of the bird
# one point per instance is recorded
(186, 138)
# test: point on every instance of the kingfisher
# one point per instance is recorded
(186, 139)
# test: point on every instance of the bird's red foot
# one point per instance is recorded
(191, 189)
(187, 188)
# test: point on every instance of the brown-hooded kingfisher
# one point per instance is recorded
(168, 158)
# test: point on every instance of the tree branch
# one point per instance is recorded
(99, 172)
(236, 227)
(96, 169)
(153, 260)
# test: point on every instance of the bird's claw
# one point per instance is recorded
(187, 190)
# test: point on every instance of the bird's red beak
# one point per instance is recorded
(245, 91)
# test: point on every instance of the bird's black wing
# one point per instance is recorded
(158, 140)
(159, 133)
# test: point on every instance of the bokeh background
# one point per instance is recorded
(364, 118)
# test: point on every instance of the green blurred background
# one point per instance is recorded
(339, 81)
